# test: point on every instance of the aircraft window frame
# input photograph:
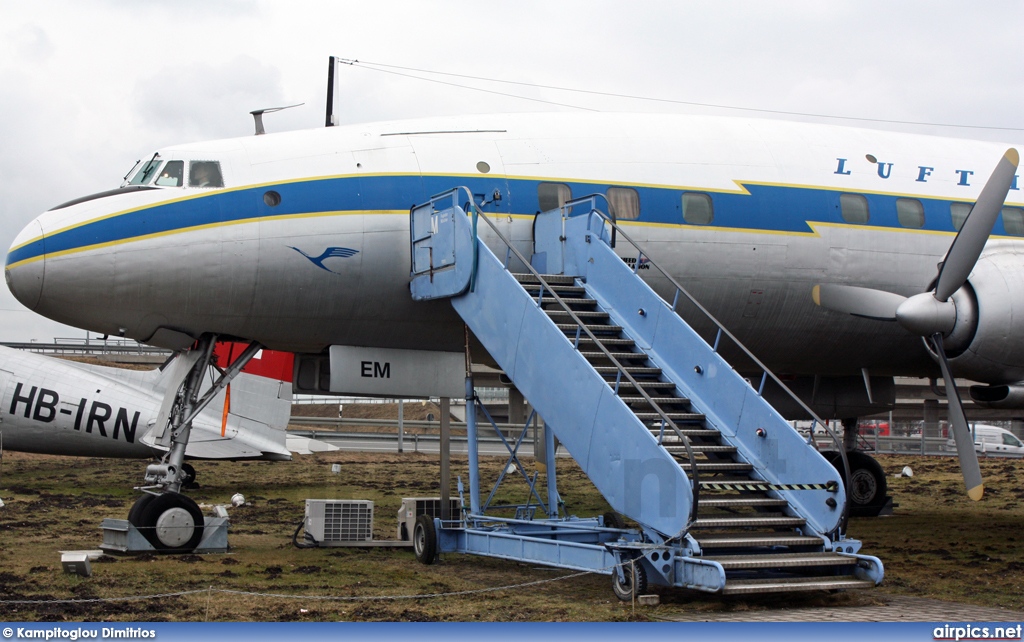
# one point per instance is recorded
(147, 172)
(698, 208)
(910, 212)
(551, 196)
(855, 209)
(624, 203)
(1014, 223)
(958, 213)
(216, 179)
(172, 174)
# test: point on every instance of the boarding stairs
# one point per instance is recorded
(728, 497)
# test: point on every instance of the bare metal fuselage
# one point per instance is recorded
(307, 244)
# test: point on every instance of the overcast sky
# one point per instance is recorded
(90, 86)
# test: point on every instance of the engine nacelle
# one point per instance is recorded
(1006, 396)
(987, 342)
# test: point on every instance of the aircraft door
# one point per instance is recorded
(548, 244)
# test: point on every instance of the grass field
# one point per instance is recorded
(937, 544)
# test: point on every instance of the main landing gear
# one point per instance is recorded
(170, 521)
(868, 488)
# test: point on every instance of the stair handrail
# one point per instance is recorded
(722, 330)
(666, 420)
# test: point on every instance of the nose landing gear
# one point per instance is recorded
(170, 521)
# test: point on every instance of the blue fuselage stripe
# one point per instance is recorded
(765, 208)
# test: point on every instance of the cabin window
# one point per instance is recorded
(1013, 221)
(910, 212)
(553, 195)
(624, 203)
(1010, 440)
(698, 208)
(205, 174)
(171, 175)
(854, 208)
(958, 213)
(146, 173)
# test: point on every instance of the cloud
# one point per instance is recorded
(30, 44)
(206, 100)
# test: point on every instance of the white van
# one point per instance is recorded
(993, 441)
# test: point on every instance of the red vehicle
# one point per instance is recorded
(870, 429)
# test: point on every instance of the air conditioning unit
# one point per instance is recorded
(413, 507)
(336, 521)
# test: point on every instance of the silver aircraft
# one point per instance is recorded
(58, 407)
(802, 239)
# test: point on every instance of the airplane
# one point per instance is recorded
(801, 238)
(58, 407)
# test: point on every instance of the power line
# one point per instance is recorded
(451, 84)
(385, 68)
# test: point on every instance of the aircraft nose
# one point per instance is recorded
(25, 265)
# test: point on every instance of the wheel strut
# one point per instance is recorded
(169, 520)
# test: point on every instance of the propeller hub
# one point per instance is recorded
(925, 315)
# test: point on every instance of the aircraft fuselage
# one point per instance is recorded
(307, 245)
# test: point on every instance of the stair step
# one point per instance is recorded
(553, 279)
(782, 560)
(674, 416)
(582, 314)
(647, 386)
(621, 356)
(634, 371)
(658, 400)
(670, 435)
(573, 303)
(758, 520)
(718, 466)
(741, 501)
(752, 540)
(561, 290)
(701, 448)
(608, 342)
(570, 329)
(791, 584)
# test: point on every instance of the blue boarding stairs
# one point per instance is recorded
(727, 496)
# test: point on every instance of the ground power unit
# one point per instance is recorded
(413, 507)
(338, 522)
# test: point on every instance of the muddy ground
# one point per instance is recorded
(938, 544)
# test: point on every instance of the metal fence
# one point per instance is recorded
(87, 346)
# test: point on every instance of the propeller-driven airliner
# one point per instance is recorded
(829, 251)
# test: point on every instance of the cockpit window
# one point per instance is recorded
(145, 173)
(205, 174)
(171, 174)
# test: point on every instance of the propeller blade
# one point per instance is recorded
(968, 244)
(861, 302)
(961, 432)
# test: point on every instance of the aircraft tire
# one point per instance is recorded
(424, 540)
(172, 522)
(135, 514)
(614, 520)
(635, 582)
(868, 489)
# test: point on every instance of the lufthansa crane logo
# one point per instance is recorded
(331, 252)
